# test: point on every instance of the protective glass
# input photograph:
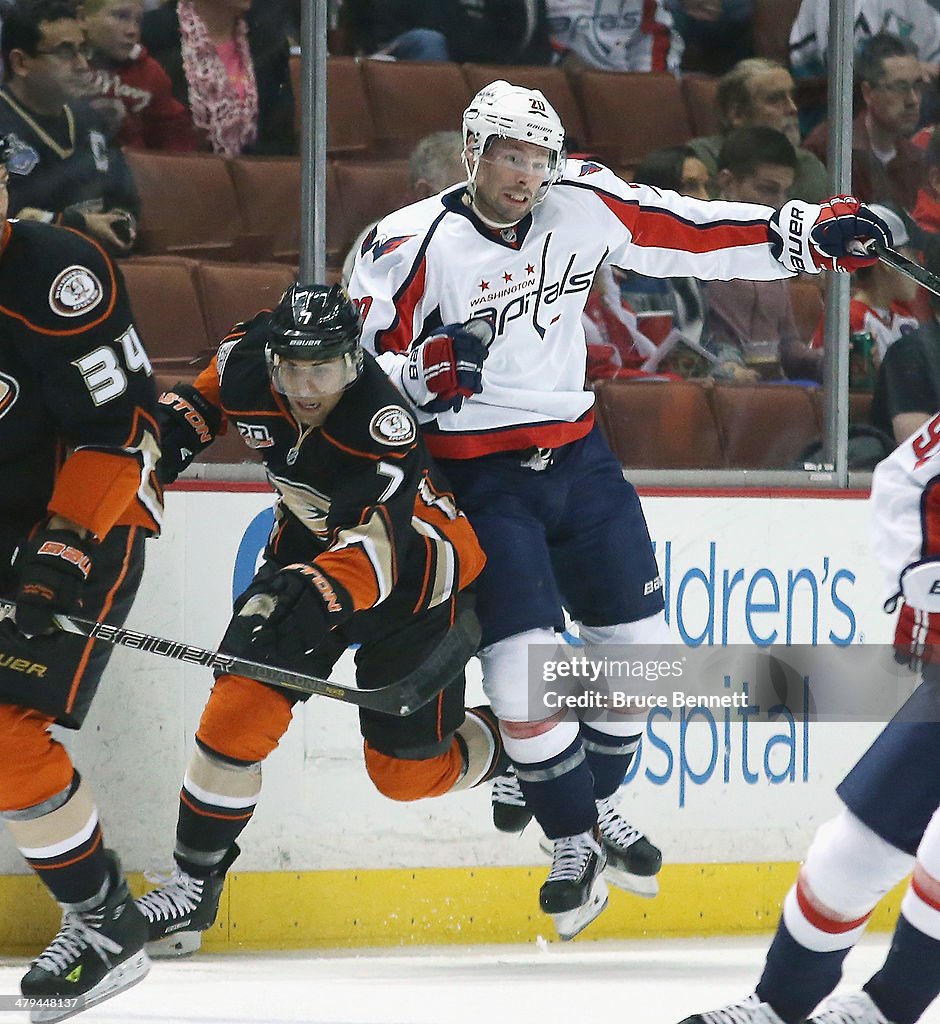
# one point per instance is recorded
(301, 379)
(538, 164)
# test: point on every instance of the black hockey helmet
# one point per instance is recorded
(314, 324)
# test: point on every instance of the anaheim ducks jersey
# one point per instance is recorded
(77, 398)
(905, 503)
(435, 263)
(358, 497)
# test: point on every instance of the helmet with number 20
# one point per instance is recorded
(505, 111)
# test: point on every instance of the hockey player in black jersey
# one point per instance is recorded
(367, 547)
(77, 455)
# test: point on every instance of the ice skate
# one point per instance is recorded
(182, 907)
(850, 1008)
(510, 813)
(746, 1011)
(96, 954)
(575, 891)
(632, 860)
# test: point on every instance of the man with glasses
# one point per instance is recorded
(886, 165)
(63, 169)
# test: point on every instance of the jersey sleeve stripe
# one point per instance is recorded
(930, 518)
(399, 336)
(402, 454)
(363, 559)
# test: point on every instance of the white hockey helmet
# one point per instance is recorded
(504, 111)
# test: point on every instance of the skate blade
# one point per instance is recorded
(645, 886)
(173, 947)
(127, 974)
(573, 922)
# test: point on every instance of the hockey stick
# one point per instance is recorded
(401, 698)
(905, 266)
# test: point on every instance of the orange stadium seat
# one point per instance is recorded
(189, 207)
(552, 81)
(349, 127)
(167, 312)
(764, 426)
(630, 114)
(368, 191)
(655, 424)
(233, 292)
(268, 193)
(699, 92)
(411, 99)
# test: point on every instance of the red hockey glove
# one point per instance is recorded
(188, 423)
(284, 615)
(447, 367)
(917, 633)
(52, 568)
(808, 238)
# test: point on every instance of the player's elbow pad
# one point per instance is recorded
(188, 424)
(920, 585)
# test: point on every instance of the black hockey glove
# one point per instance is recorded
(51, 569)
(188, 423)
(447, 367)
(283, 616)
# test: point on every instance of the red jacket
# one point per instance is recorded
(153, 117)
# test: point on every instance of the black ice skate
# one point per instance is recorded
(182, 907)
(632, 860)
(850, 1008)
(510, 813)
(96, 954)
(746, 1011)
(575, 892)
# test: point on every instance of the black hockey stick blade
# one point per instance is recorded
(890, 257)
(400, 698)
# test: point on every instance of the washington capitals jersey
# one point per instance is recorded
(77, 399)
(905, 502)
(435, 263)
(358, 496)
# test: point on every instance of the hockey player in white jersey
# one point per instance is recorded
(890, 824)
(512, 425)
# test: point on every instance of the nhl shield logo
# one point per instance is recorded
(393, 425)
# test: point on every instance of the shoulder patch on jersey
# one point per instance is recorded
(393, 425)
(382, 246)
(23, 158)
(224, 352)
(75, 291)
(589, 167)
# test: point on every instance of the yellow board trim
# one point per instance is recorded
(439, 906)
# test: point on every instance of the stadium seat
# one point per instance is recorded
(551, 81)
(233, 292)
(189, 207)
(411, 99)
(349, 127)
(167, 313)
(655, 424)
(764, 426)
(369, 190)
(268, 192)
(699, 93)
(808, 306)
(773, 20)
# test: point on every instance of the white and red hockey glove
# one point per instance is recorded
(917, 633)
(808, 238)
(447, 367)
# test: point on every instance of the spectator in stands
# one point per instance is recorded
(926, 212)
(615, 35)
(128, 87)
(907, 392)
(486, 31)
(435, 164)
(758, 92)
(749, 325)
(882, 307)
(228, 63)
(717, 33)
(63, 169)
(886, 165)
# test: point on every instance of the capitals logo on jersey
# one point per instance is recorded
(382, 246)
(589, 167)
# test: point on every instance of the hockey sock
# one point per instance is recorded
(811, 947)
(608, 755)
(217, 801)
(62, 842)
(555, 779)
(909, 981)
